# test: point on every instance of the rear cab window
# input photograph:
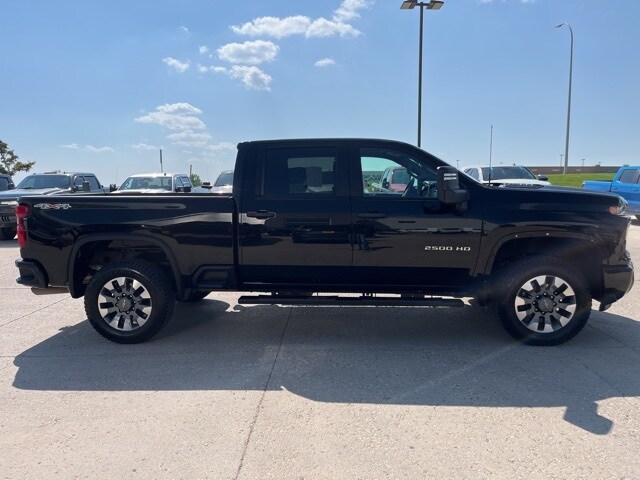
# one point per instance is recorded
(629, 176)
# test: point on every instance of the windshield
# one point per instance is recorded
(138, 183)
(401, 175)
(4, 184)
(225, 178)
(35, 182)
(504, 173)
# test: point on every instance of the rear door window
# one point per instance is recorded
(300, 172)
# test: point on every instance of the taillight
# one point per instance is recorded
(22, 212)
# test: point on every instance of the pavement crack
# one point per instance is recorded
(261, 401)
(613, 338)
(35, 311)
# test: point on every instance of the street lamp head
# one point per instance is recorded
(561, 25)
(431, 5)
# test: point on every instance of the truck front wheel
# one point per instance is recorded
(129, 301)
(542, 300)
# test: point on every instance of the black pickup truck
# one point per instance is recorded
(309, 220)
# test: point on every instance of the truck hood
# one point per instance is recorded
(559, 199)
(9, 195)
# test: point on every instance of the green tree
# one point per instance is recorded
(9, 163)
(196, 181)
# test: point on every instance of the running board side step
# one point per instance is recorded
(364, 300)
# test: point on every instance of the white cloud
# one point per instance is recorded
(348, 10)
(328, 28)
(248, 53)
(91, 148)
(325, 62)
(174, 116)
(143, 146)
(188, 138)
(221, 146)
(251, 77)
(177, 64)
(88, 148)
(274, 27)
(302, 25)
(491, 1)
(203, 49)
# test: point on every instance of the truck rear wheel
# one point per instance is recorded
(8, 233)
(129, 301)
(542, 300)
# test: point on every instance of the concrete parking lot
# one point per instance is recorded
(228, 391)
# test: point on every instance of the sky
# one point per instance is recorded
(102, 86)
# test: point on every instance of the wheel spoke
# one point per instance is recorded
(536, 286)
(116, 286)
(550, 281)
(529, 318)
(560, 289)
(541, 323)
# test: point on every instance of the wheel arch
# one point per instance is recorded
(572, 247)
(75, 284)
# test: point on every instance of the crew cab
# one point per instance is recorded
(301, 228)
(51, 183)
(626, 183)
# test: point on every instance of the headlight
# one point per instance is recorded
(620, 209)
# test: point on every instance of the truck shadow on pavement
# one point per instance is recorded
(407, 356)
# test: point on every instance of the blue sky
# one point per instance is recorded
(100, 86)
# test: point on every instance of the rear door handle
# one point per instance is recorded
(261, 214)
(372, 215)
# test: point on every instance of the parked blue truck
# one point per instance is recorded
(626, 183)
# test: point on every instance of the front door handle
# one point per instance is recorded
(372, 215)
(261, 214)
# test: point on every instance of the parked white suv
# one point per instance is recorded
(156, 183)
(505, 175)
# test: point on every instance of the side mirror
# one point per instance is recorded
(207, 185)
(449, 191)
(385, 184)
(86, 186)
(11, 186)
(113, 187)
(186, 189)
(543, 177)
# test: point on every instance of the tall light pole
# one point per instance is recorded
(566, 144)
(430, 5)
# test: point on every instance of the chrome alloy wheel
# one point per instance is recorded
(545, 304)
(125, 305)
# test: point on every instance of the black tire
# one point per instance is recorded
(157, 292)
(8, 233)
(554, 311)
(194, 297)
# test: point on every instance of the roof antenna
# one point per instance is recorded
(490, 152)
